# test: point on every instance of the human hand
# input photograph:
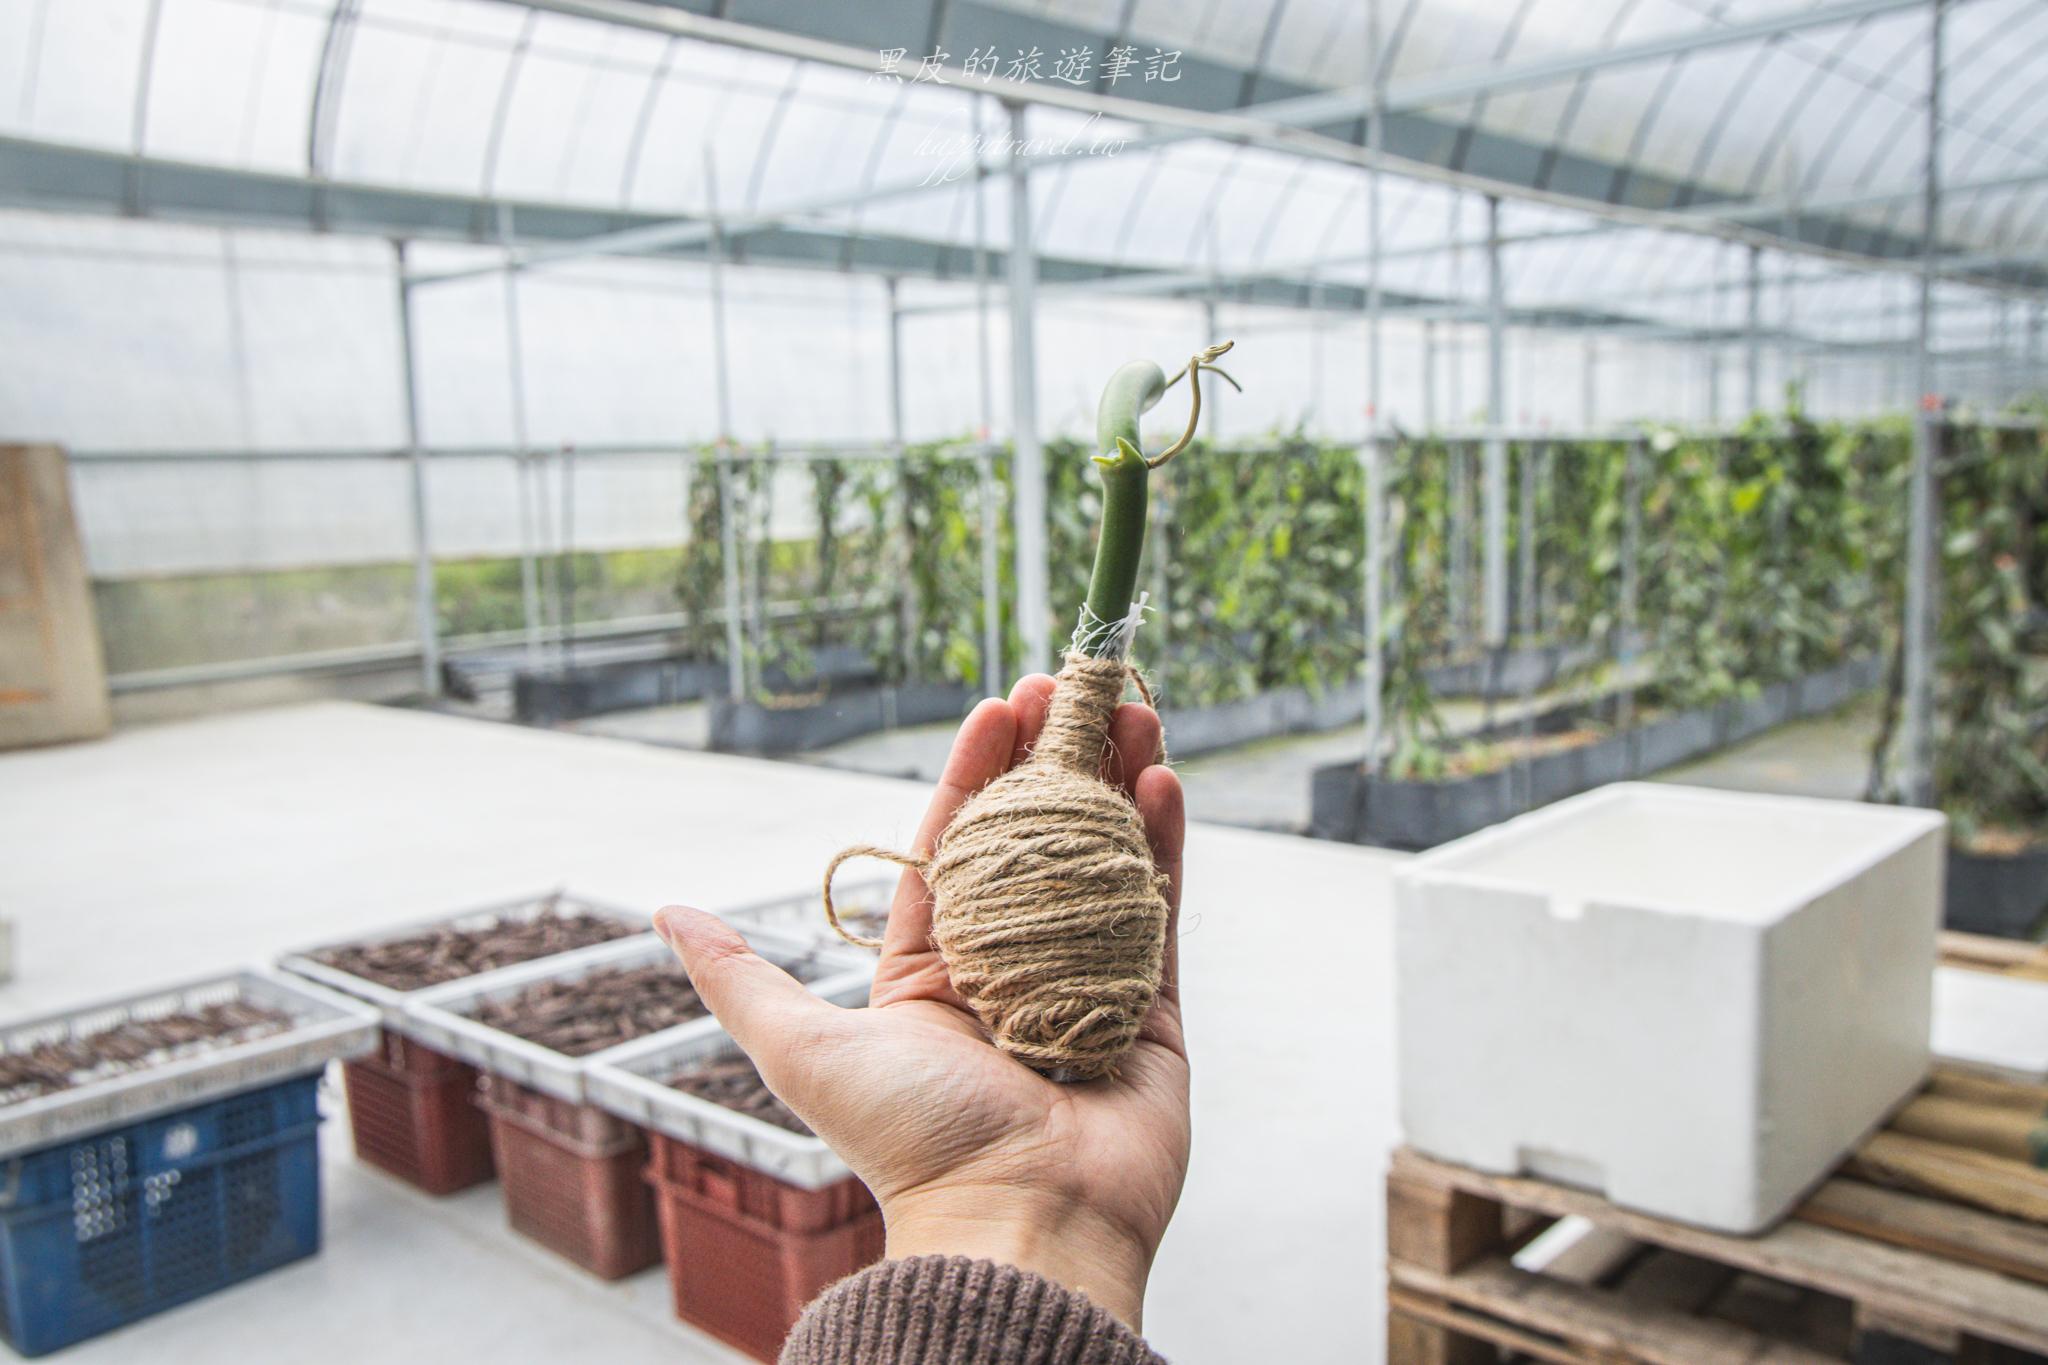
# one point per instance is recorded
(968, 1151)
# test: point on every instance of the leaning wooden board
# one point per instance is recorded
(53, 683)
(1930, 1243)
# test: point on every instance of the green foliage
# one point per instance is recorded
(1991, 693)
(700, 577)
(1766, 552)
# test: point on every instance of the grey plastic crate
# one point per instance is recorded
(631, 1081)
(442, 1017)
(325, 1026)
(391, 1002)
(802, 916)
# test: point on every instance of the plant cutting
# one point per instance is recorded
(1046, 904)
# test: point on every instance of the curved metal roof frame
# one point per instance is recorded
(1996, 234)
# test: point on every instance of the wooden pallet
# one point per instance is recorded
(1918, 1249)
(2004, 956)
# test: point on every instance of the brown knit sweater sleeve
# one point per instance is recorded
(948, 1310)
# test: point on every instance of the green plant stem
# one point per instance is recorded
(1131, 392)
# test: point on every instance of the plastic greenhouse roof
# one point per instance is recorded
(1639, 143)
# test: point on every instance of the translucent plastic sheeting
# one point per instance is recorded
(180, 517)
(475, 96)
(128, 334)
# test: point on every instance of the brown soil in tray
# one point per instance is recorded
(446, 953)
(134, 1046)
(596, 1011)
(733, 1083)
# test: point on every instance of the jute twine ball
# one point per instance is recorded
(1046, 904)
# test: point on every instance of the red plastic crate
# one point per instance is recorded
(413, 1115)
(571, 1176)
(746, 1251)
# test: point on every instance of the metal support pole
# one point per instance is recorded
(1430, 421)
(1752, 372)
(2030, 377)
(1454, 340)
(522, 440)
(729, 564)
(426, 616)
(1213, 404)
(565, 580)
(1530, 464)
(1496, 472)
(728, 525)
(1631, 557)
(1461, 545)
(1589, 376)
(895, 362)
(715, 256)
(1033, 606)
(1922, 591)
(2005, 385)
(990, 493)
(1375, 452)
(1375, 592)
(984, 368)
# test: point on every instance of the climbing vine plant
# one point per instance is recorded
(1991, 690)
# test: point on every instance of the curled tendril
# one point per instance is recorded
(1192, 372)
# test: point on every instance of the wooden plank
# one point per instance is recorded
(1985, 953)
(1995, 1129)
(53, 684)
(1960, 1173)
(1439, 1226)
(1603, 1325)
(1791, 1313)
(1909, 1282)
(1426, 1334)
(1976, 1088)
(1419, 1328)
(1675, 1280)
(1936, 1226)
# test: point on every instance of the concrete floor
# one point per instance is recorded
(1822, 756)
(170, 851)
(1262, 785)
(1265, 784)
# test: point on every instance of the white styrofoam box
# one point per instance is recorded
(1692, 1002)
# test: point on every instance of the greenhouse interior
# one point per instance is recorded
(642, 641)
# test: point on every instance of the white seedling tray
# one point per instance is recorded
(442, 1018)
(325, 1026)
(631, 1081)
(391, 1003)
(802, 916)
(1693, 1002)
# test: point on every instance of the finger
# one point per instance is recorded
(1029, 699)
(1133, 745)
(777, 1021)
(1164, 811)
(981, 752)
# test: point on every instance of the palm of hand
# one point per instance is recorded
(967, 1150)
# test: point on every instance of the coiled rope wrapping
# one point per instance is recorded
(1046, 904)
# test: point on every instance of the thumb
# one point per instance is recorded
(771, 1014)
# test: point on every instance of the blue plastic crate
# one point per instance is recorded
(101, 1230)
